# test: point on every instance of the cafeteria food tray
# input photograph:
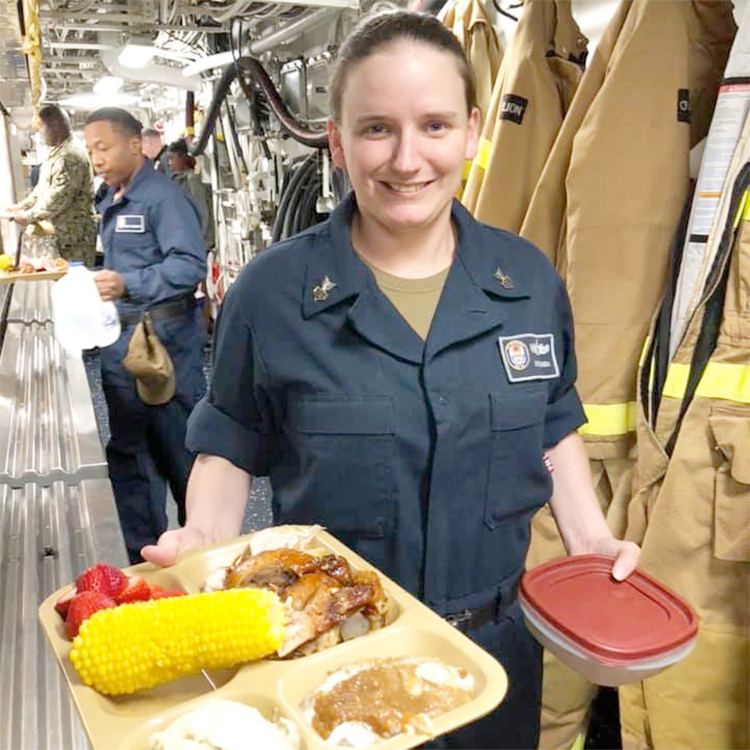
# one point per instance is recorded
(275, 687)
(9, 277)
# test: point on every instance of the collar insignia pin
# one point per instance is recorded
(505, 281)
(322, 290)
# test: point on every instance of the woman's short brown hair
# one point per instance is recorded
(375, 31)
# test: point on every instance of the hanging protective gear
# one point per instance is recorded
(469, 23)
(537, 81)
(605, 210)
(619, 172)
(691, 506)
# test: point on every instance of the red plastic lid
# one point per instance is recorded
(626, 620)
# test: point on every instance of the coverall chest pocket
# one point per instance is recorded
(346, 450)
(517, 480)
(138, 247)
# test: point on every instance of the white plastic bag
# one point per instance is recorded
(82, 319)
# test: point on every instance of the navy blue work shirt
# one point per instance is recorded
(152, 238)
(426, 457)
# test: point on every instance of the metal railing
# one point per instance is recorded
(57, 513)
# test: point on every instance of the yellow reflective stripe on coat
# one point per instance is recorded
(609, 420)
(743, 211)
(483, 153)
(720, 380)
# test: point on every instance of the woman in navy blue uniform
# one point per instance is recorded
(426, 447)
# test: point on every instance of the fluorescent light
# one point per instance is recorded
(108, 85)
(94, 101)
(136, 55)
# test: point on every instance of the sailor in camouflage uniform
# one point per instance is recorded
(61, 204)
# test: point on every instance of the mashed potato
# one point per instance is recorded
(226, 725)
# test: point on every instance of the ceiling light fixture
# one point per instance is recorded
(92, 101)
(107, 85)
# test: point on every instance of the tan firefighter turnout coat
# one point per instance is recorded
(537, 80)
(691, 514)
(469, 23)
(605, 210)
(609, 200)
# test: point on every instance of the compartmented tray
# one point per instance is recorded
(9, 277)
(276, 687)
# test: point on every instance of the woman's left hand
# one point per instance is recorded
(626, 555)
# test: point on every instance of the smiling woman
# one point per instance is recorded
(404, 122)
(401, 370)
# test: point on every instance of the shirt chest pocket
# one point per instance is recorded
(139, 246)
(518, 480)
(345, 447)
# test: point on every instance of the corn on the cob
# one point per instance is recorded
(137, 646)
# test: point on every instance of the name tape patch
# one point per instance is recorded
(130, 223)
(529, 356)
(513, 108)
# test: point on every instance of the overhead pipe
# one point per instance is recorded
(129, 27)
(151, 73)
(291, 31)
(190, 113)
(251, 97)
(222, 89)
(289, 123)
(296, 129)
(81, 45)
(265, 43)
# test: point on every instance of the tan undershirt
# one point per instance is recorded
(415, 299)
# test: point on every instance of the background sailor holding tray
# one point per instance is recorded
(405, 374)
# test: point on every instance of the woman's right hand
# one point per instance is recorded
(172, 544)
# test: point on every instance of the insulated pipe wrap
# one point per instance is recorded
(289, 123)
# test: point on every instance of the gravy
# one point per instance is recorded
(389, 696)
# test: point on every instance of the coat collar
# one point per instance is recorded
(490, 257)
(333, 259)
(485, 272)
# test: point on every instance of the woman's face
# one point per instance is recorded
(404, 134)
(176, 161)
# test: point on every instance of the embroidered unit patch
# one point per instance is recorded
(529, 356)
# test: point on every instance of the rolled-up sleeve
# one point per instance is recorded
(235, 419)
(564, 409)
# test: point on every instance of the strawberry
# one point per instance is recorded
(82, 606)
(62, 604)
(154, 588)
(166, 593)
(103, 578)
(136, 590)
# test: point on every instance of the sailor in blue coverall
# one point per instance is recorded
(152, 248)
(426, 455)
